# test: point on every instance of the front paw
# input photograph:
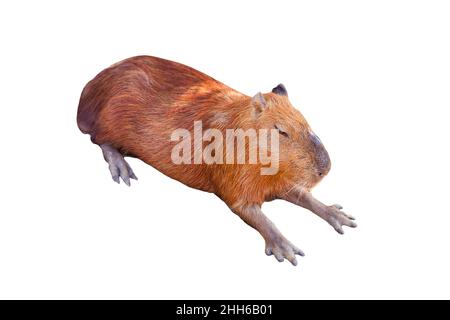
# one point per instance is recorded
(338, 218)
(282, 248)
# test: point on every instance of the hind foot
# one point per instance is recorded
(117, 165)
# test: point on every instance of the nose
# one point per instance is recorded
(323, 162)
(321, 157)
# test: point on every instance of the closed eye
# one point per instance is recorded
(283, 133)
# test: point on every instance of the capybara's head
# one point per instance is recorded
(303, 160)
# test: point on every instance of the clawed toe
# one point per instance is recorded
(130, 171)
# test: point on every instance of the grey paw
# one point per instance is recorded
(282, 249)
(119, 168)
(338, 218)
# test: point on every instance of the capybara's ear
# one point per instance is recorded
(259, 104)
(280, 90)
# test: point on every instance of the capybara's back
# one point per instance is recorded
(142, 86)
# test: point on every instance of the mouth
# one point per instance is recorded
(320, 173)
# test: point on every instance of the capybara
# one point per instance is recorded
(142, 106)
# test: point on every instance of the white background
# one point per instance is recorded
(371, 77)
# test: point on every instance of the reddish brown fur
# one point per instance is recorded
(136, 104)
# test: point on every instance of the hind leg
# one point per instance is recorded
(117, 164)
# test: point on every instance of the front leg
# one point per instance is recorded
(276, 243)
(331, 214)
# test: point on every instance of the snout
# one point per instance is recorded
(321, 157)
(323, 163)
